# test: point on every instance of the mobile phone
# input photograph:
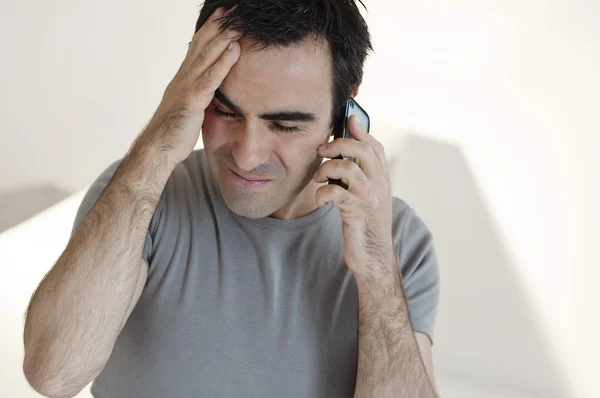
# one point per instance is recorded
(342, 130)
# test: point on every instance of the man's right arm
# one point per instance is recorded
(81, 305)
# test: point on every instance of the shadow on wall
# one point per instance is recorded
(486, 332)
(17, 206)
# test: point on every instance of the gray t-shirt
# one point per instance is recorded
(239, 307)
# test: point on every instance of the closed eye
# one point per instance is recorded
(220, 113)
(227, 115)
(285, 129)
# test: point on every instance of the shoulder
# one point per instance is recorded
(94, 191)
(406, 223)
(413, 240)
(418, 265)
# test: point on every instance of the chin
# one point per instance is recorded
(248, 209)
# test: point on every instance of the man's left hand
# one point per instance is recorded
(366, 206)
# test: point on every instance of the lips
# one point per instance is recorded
(246, 182)
(253, 179)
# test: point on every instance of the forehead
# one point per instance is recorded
(286, 78)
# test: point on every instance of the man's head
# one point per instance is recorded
(301, 60)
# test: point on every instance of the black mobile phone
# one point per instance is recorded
(341, 129)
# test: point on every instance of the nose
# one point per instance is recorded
(251, 148)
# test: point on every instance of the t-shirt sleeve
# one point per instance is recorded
(92, 195)
(419, 268)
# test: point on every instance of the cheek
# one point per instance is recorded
(214, 131)
(300, 158)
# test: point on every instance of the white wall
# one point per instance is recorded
(493, 107)
(515, 86)
(79, 81)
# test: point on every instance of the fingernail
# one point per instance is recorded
(321, 147)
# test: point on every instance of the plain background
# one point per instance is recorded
(493, 111)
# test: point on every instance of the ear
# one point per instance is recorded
(355, 92)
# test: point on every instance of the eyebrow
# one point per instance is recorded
(291, 116)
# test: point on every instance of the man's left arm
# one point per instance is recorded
(393, 361)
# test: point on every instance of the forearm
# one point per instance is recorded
(81, 305)
(389, 360)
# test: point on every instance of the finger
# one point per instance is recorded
(208, 83)
(360, 133)
(349, 172)
(337, 195)
(211, 53)
(205, 34)
(363, 154)
(211, 29)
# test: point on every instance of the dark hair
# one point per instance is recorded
(287, 22)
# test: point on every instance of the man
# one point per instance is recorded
(237, 270)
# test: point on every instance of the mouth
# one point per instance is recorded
(248, 182)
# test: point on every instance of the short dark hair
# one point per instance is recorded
(282, 23)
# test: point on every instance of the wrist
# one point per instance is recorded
(150, 148)
(143, 173)
(166, 140)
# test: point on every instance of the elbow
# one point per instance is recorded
(51, 387)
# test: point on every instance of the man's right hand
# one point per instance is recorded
(176, 125)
